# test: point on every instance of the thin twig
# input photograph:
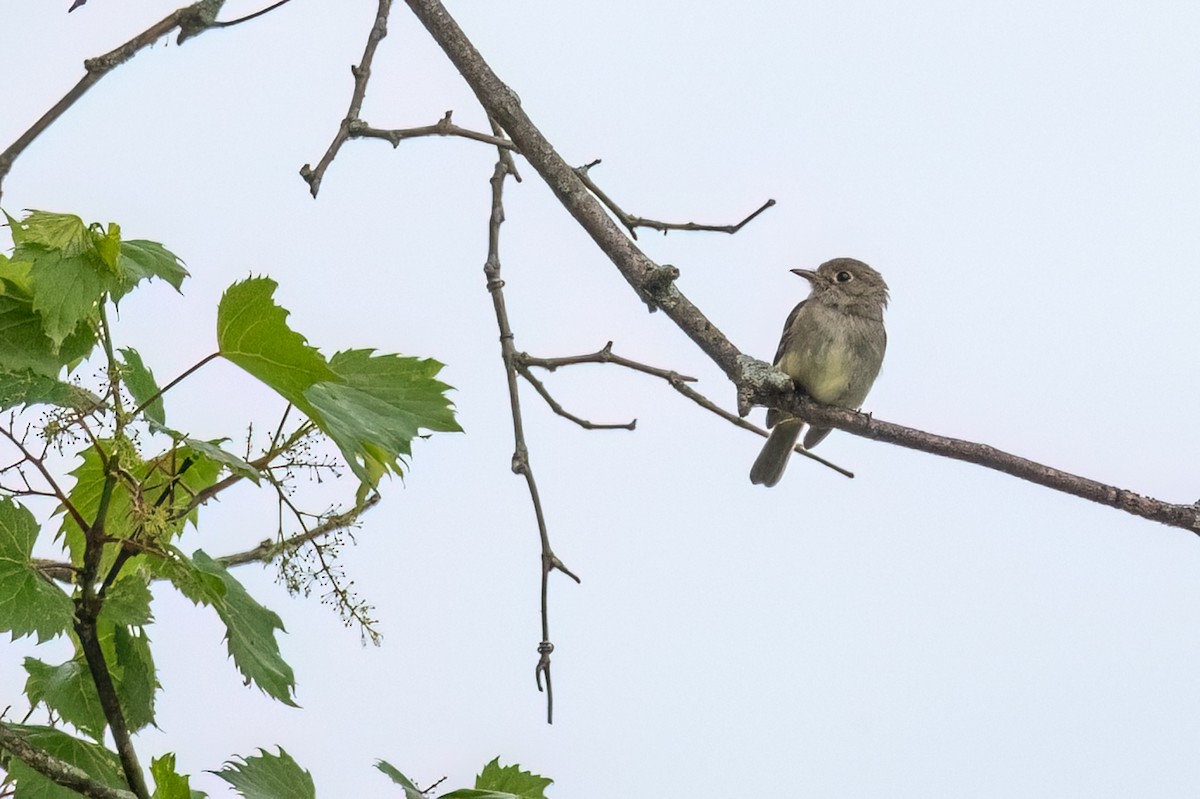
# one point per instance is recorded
(362, 74)
(57, 771)
(632, 223)
(191, 20)
(603, 355)
(709, 405)
(520, 458)
(443, 127)
(188, 372)
(677, 381)
(348, 607)
(268, 550)
(248, 17)
(41, 467)
(557, 407)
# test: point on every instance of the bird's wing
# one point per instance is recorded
(787, 331)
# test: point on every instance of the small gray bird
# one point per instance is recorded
(832, 347)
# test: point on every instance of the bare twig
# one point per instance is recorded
(186, 373)
(431, 787)
(632, 223)
(248, 17)
(603, 355)
(709, 405)
(557, 407)
(57, 771)
(678, 382)
(362, 74)
(191, 20)
(41, 467)
(268, 549)
(443, 127)
(520, 458)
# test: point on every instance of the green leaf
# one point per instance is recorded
(140, 260)
(227, 460)
(134, 677)
(68, 690)
(140, 382)
(249, 627)
(23, 343)
(99, 763)
(269, 776)
(252, 332)
(67, 291)
(170, 784)
(29, 603)
(380, 404)
(127, 602)
(504, 782)
(108, 247)
(25, 388)
(65, 233)
(410, 790)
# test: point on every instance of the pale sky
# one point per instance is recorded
(1026, 177)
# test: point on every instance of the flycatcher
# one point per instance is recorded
(832, 347)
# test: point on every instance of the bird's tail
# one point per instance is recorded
(773, 459)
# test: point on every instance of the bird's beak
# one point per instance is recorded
(807, 274)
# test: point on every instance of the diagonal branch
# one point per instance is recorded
(758, 382)
(678, 382)
(557, 407)
(632, 223)
(191, 20)
(57, 771)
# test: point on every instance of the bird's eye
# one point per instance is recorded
(844, 277)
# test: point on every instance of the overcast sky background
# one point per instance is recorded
(1025, 175)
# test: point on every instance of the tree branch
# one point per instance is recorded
(362, 74)
(443, 127)
(268, 550)
(41, 467)
(520, 458)
(632, 223)
(557, 407)
(191, 20)
(758, 382)
(678, 382)
(57, 771)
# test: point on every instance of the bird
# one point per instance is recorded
(832, 347)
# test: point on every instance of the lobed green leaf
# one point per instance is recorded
(29, 603)
(252, 332)
(249, 627)
(268, 776)
(140, 381)
(170, 784)
(411, 791)
(378, 406)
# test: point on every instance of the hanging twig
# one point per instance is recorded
(520, 458)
